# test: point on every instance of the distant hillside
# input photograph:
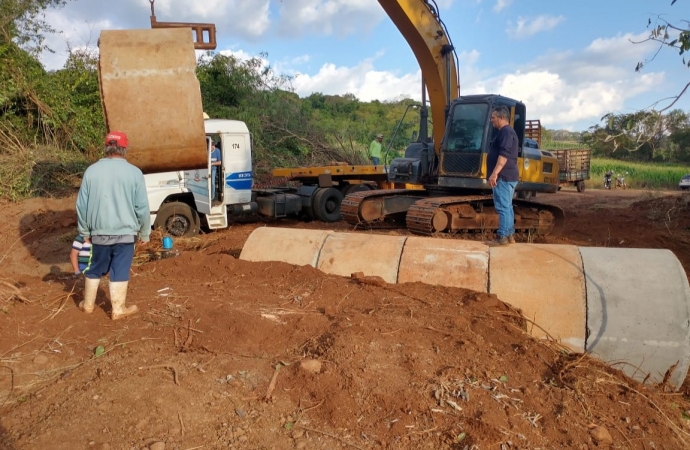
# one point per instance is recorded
(562, 135)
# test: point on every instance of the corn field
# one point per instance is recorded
(639, 175)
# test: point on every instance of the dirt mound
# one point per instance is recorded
(231, 354)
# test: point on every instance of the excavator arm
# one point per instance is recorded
(419, 23)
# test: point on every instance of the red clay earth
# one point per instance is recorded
(228, 354)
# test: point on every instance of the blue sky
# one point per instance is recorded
(570, 62)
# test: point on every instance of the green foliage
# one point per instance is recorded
(49, 121)
(289, 131)
(639, 175)
(560, 145)
(641, 136)
(22, 22)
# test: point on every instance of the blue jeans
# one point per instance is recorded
(214, 175)
(503, 203)
(375, 161)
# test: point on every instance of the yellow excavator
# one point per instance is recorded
(451, 165)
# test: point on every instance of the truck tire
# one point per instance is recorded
(580, 185)
(326, 204)
(178, 219)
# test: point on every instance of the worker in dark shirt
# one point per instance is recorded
(503, 173)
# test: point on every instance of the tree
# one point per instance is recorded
(668, 35)
(23, 22)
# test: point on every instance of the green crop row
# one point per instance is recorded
(637, 175)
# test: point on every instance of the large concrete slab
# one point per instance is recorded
(373, 254)
(150, 91)
(547, 283)
(445, 262)
(299, 247)
(638, 304)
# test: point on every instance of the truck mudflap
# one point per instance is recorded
(149, 90)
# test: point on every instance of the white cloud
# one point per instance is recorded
(327, 17)
(565, 90)
(526, 27)
(81, 21)
(362, 80)
(501, 5)
(574, 89)
(445, 4)
(302, 59)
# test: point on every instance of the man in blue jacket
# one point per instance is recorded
(501, 164)
(112, 212)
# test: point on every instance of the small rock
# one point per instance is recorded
(370, 280)
(40, 359)
(310, 365)
(296, 434)
(241, 412)
(301, 443)
(601, 435)
(68, 222)
(141, 424)
(104, 406)
(157, 446)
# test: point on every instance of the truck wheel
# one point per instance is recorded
(178, 219)
(580, 186)
(326, 204)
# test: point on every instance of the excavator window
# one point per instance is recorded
(467, 125)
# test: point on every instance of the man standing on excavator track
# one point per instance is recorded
(501, 164)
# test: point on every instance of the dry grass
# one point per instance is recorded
(153, 250)
(9, 292)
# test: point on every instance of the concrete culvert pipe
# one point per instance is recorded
(628, 307)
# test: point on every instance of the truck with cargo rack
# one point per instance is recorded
(573, 163)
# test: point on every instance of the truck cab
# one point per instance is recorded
(179, 200)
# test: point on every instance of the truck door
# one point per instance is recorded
(199, 182)
(237, 168)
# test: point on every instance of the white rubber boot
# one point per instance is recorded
(118, 296)
(90, 291)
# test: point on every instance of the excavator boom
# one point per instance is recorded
(418, 22)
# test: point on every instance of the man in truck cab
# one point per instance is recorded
(112, 212)
(215, 164)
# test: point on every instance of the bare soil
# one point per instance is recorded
(228, 354)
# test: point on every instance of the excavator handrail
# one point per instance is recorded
(419, 23)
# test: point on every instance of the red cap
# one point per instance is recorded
(119, 137)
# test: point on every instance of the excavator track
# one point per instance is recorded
(368, 208)
(477, 214)
(429, 215)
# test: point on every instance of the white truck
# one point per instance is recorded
(182, 201)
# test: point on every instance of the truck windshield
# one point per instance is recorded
(466, 127)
